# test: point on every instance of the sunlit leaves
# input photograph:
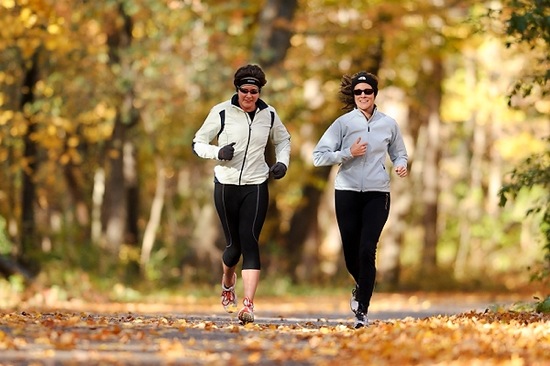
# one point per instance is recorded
(529, 20)
(180, 62)
(528, 25)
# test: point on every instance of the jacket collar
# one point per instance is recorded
(374, 112)
(260, 104)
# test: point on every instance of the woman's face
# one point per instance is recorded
(248, 95)
(364, 100)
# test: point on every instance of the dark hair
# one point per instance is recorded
(348, 83)
(250, 71)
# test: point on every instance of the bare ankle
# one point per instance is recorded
(225, 277)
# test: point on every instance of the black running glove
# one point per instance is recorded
(278, 170)
(226, 152)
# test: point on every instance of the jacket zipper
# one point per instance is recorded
(365, 158)
(247, 145)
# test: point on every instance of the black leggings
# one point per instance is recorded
(361, 217)
(242, 211)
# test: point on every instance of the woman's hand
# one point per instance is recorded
(401, 171)
(358, 148)
(226, 152)
(278, 170)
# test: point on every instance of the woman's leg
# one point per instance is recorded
(228, 279)
(226, 202)
(374, 216)
(251, 279)
(348, 207)
(252, 218)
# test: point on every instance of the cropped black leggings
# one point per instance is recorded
(242, 211)
(361, 217)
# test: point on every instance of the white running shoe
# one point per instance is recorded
(246, 315)
(229, 298)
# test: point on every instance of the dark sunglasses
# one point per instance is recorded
(251, 91)
(361, 91)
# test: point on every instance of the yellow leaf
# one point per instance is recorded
(8, 4)
(54, 29)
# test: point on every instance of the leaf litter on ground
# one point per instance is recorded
(490, 337)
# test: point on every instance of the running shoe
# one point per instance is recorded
(353, 303)
(229, 298)
(246, 315)
(361, 319)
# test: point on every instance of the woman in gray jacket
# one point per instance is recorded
(241, 127)
(359, 141)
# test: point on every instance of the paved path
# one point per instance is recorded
(201, 334)
(335, 310)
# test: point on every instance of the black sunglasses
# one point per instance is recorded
(361, 91)
(251, 91)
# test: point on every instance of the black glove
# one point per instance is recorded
(278, 170)
(226, 152)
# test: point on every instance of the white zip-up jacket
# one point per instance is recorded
(248, 165)
(367, 172)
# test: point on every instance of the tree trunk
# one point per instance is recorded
(153, 224)
(115, 200)
(270, 47)
(469, 207)
(74, 177)
(389, 258)
(429, 110)
(131, 183)
(29, 241)
(303, 224)
(273, 38)
(119, 219)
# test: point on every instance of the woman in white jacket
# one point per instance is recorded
(359, 141)
(241, 128)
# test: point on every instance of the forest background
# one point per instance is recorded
(99, 102)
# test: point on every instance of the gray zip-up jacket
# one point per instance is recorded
(248, 165)
(367, 172)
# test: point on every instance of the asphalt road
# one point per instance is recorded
(201, 333)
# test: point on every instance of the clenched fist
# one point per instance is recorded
(278, 170)
(226, 152)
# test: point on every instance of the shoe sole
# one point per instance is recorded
(246, 318)
(231, 308)
(363, 324)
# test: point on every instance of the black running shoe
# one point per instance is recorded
(353, 303)
(361, 319)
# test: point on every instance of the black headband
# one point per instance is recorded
(365, 78)
(249, 80)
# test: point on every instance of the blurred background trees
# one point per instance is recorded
(99, 102)
(529, 27)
